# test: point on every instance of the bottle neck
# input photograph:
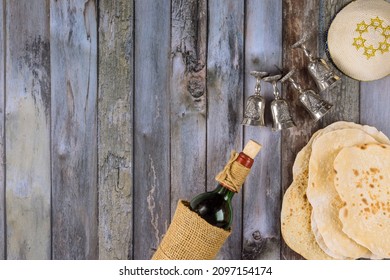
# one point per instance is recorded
(234, 174)
(224, 192)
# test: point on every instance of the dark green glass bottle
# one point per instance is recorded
(216, 206)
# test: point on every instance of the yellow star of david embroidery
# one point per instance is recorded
(367, 45)
(376, 23)
(359, 42)
(369, 51)
(384, 47)
(361, 27)
(386, 32)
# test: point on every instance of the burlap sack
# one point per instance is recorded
(359, 40)
(189, 237)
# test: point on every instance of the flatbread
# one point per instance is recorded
(295, 221)
(322, 194)
(363, 183)
(296, 210)
(321, 243)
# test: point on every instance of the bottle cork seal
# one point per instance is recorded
(190, 237)
(252, 148)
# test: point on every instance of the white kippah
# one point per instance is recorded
(359, 40)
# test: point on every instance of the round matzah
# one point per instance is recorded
(363, 183)
(296, 211)
(359, 40)
(322, 194)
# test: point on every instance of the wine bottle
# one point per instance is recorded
(215, 206)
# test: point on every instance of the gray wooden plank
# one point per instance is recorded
(2, 140)
(151, 125)
(73, 34)
(344, 96)
(261, 212)
(28, 181)
(374, 104)
(188, 95)
(225, 69)
(115, 126)
(299, 17)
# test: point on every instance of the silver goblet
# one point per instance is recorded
(318, 68)
(254, 109)
(279, 108)
(313, 103)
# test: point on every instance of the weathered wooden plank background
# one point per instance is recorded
(73, 56)
(2, 140)
(27, 126)
(115, 124)
(111, 111)
(262, 195)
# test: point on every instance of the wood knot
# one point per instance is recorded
(254, 248)
(257, 235)
(196, 87)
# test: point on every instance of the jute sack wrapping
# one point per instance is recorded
(359, 40)
(189, 237)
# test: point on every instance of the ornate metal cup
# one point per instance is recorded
(318, 68)
(279, 107)
(254, 109)
(313, 103)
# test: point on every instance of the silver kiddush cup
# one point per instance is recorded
(313, 103)
(279, 108)
(320, 71)
(254, 109)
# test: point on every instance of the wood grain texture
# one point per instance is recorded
(73, 34)
(115, 126)
(225, 69)
(28, 130)
(344, 96)
(299, 17)
(2, 139)
(156, 123)
(263, 50)
(374, 109)
(188, 99)
(151, 125)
